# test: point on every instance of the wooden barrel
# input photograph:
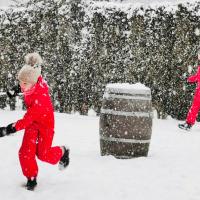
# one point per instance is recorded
(126, 120)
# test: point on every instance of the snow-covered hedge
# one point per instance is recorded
(87, 44)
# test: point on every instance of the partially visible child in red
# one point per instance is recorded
(195, 107)
(38, 123)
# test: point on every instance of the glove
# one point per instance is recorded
(13, 92)
(7, 130)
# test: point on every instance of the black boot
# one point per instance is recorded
(64, 161)
(31, 184)
(185, 126)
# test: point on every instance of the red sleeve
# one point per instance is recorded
(195, 77)
(28, 118)
(192, 79)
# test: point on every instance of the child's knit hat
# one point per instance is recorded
(31, 71)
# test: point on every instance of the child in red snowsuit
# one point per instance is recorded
(195, 107)
(38, 123)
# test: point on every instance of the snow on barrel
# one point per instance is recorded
(126, 120)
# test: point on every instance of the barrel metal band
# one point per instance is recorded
(113, 96)
(133, 141)
(127, 114)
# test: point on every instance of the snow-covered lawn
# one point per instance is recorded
(170, 172)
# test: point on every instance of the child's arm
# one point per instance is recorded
(19, 125)
(28, 118)
(192, 79)
(195, 77)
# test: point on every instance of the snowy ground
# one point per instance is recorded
(170, 172)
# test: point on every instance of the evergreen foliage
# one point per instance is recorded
(85, 47)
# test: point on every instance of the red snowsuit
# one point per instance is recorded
(38, 123)
(193, 111)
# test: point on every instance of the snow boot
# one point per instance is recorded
(64, 161)
(31, 184)
(185, 126)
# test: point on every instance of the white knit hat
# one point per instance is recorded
(33, 59)
(31, 71)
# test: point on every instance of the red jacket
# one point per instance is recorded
(39, 108)
(195, 78)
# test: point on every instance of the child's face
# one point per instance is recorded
(25, 86)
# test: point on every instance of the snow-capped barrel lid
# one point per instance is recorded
(127, 90)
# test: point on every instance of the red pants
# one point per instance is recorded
(194, 109)
(37, 143)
